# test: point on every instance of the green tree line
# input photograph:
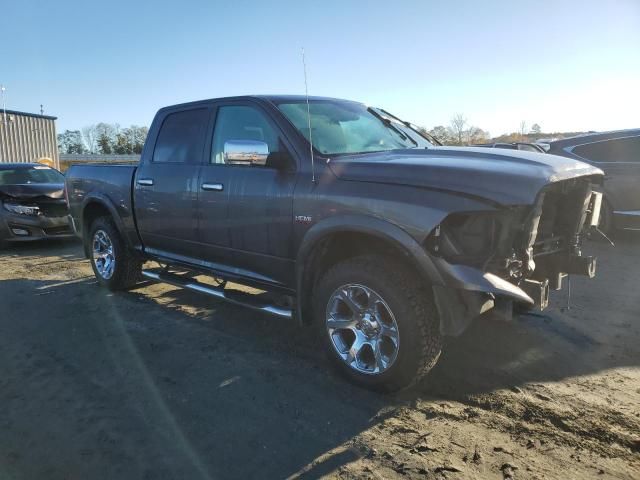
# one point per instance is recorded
(103, 138)
(108, 138)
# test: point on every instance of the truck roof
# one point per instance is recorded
(268, 98)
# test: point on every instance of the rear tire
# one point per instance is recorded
(114, 265)
(378, 322)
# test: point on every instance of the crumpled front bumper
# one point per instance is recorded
(467, 292)
(25, 228)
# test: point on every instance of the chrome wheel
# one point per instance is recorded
(362, 329)
(103, 256)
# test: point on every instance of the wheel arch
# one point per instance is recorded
(96, 206)
(338, 238)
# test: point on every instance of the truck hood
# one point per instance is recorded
(33, 190)
(508, 177)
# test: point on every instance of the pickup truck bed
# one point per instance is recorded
(110, 183)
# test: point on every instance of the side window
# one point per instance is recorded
(181, 137)
(527, 148)
(241, 123)
(617, 150)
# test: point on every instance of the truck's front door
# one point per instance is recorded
(260, 198)
(166, 184)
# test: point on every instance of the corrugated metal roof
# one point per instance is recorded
(27, 114)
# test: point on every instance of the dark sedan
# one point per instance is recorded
(33, 203)
(618, 154)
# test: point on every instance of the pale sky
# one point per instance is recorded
(565, 64)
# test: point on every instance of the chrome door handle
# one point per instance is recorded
(216, 187)
(147, 182)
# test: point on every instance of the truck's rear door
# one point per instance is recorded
(166, 184)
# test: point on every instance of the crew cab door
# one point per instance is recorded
(166, 183)
(260, 198)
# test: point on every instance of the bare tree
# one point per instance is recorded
(107, 129)
(524, 129)
(90, 138)
(458, 124)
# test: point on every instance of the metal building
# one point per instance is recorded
(27, 137)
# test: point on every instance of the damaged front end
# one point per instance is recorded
(32, 217)
(493, 261)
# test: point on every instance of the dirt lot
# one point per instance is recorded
(158, 383)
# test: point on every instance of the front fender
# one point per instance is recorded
(461, 292)
(371, 226)
(377, 227)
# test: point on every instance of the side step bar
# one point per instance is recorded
(242, 299)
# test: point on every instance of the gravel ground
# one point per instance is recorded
(159, 383)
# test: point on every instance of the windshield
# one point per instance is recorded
(21, 176)
(341, 127)
(421, 136)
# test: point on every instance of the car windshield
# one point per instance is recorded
(341, 127)
(21, 175)
(422, 138)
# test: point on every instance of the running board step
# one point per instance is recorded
(239, 298)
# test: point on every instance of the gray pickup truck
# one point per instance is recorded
(344, 217)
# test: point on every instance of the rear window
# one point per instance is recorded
(22, 176)
(528, 148)
(181, 137)
(617, 150)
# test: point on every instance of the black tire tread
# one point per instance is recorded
(423, 309)
(128, 266)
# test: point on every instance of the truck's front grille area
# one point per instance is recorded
(563, 215)
(62, 230)
(57, 208)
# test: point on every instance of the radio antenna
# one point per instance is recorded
(306, 94)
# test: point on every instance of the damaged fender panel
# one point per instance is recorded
(468, 278)
(33, 211)
(468, 293)
(514, 256)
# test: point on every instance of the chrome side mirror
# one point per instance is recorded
(246, 152)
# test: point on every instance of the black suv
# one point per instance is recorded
(618, 154)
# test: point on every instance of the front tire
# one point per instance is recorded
(378, 321)
(114, 265)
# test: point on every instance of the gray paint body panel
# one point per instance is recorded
(397, 196)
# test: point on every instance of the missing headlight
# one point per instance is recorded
(465, 235)
(485, 240)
